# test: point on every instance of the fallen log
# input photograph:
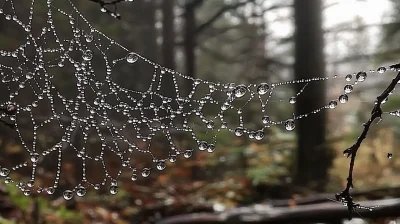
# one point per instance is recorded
(328, 212)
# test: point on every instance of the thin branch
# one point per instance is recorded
(114, 3)
(9, 110)
(351, 152)
(218, 14)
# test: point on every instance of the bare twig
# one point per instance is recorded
(9, 110)
(103, 4)
(351, 152)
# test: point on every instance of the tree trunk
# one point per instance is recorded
(190, 57)
(313, 158)
(168, 47)
(190, 44)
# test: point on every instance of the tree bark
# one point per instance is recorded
(190, 57)
(168, 47)
(313, 158)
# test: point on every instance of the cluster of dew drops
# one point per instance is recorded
(232, 91)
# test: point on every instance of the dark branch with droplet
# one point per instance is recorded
(9, 110)
(351, 152)
(114, 4)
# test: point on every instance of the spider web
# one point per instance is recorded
(70, 88)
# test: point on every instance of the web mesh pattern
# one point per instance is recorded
(99, 109)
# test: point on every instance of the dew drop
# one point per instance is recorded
(50, 190)
(361, 76)
(211, 148)
(145, 172)
(89, 38)
(381, 70)
(134, 177)
(210, 125)
(4, 172)
(348, 88)
(161, 165)
(239, 132)
(29, 75)
(292, 100)
(259, 135)
(34, 157)
(131, 58)
(172, 158)
(262, 88)
(81, 191)
(114, 190)
(265, 119)
(7, 180)
(343, 98)
(332, 104)
(187, 154)
(389, 155)
(240, 91)
(348, 77)
(202, 146)
(290, 125)
(87, 55)
(68, 194)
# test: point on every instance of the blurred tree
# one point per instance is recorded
(168, 46)
(313, 159)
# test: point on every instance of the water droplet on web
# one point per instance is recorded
(7, 180)
(202, 146)
(68, 194)
(348, 77)
(50, 190)
(211, 148)
(114, 190)
(131, 58)
(348, 88)
(103, 10)
(187, 154)
(292, 100)
(134, 177)
(89, 38)
(210, 125)
(389, 155)
(265, 119)
(262, 88)
(87, 55)
(172, 158)
(34, 157)
(381, 70)
(27, 192)
(240, 91)
(343, 98)
(259, 135)
(145, 172)
(290, 125)
(361, 76)
(239, 131)
(332, 104)
(29, 75)
(161, 165)
(4, 172)
(81, 191)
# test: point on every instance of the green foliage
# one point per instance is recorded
(69, 215)
(18, 198)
